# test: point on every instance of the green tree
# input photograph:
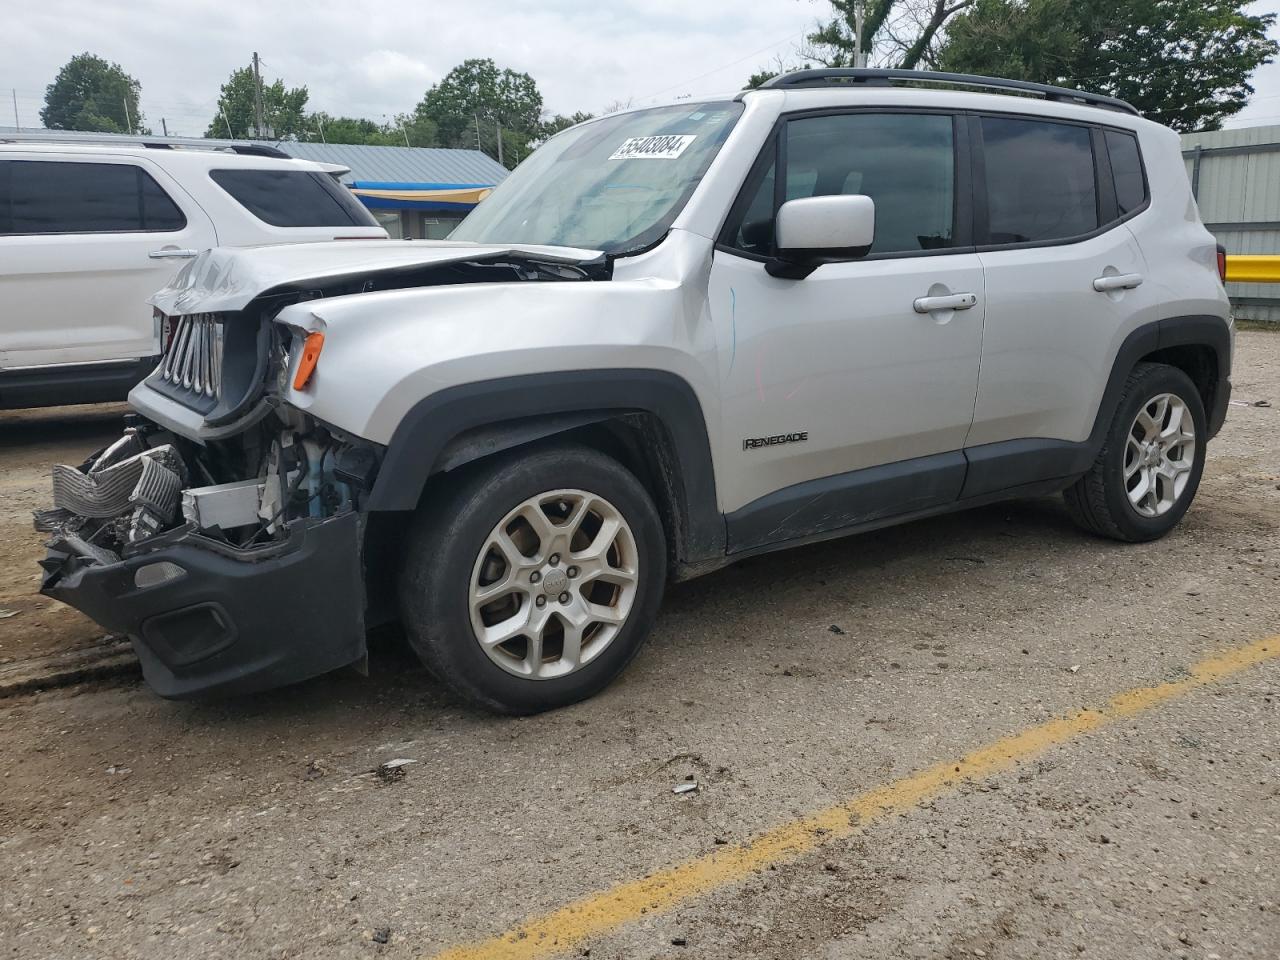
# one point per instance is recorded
(1183, 63)
(896, 33)
(475, 99)
(282, 109)
(549, 128)
(404, 131)
(904, 34)
(91, 94)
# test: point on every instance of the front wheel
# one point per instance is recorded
(1149, 467)
(534, 579)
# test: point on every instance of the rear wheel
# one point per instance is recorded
(1149, 467)
(535, 579)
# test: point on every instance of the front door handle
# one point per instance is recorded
(172, 253)
(1123, 281)
(955, 301)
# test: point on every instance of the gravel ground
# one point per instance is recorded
(30, 442)
(133, 827)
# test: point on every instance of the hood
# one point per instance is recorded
(228, 278)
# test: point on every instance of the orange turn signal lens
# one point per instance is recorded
(310, 356)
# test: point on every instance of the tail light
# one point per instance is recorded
(1222, 263)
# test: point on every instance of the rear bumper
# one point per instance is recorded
(221, 621)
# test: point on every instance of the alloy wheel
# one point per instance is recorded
(553, 584)
(1159, 455)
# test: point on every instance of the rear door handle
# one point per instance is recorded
(955, 301)
(1124, 281)
(171, 253)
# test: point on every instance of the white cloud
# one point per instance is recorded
(369, 59)
(376, 60)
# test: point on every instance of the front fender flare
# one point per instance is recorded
(418, 441)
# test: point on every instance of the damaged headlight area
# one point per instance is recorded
(233, 565)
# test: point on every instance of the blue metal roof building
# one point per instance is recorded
(419, 192)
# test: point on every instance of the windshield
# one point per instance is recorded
(614, 184)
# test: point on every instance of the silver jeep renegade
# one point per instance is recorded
(673, 338)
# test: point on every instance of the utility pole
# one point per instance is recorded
(405, 131)
(257, 97)
(477, 116)
(320, 124)
(230, 135)
(859, 57)
(164, 126)
(15, 111)
(128, 120)
(499, 126)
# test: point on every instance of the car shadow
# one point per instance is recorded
(398, 683)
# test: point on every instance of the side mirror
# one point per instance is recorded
(812, 231)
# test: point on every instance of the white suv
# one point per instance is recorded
(89, 231)
(673, 338)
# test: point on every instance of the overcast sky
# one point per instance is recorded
(376, 60)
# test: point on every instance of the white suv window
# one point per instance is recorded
(58, 196)
(294, 198)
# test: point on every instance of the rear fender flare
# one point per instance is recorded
(1205, 331)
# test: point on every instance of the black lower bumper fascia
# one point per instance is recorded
(207, 619)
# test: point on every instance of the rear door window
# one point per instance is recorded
(1040, 180)
(48, 196)
(294, 198)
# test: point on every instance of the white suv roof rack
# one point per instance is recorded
(244, 147)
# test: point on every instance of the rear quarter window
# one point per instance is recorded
(1126, 169)
(294, 198)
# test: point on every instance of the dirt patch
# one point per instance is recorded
(31, 441)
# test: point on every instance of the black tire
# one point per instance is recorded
(450, 529)
(1098, 501)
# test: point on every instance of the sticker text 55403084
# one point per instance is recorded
(654, 148)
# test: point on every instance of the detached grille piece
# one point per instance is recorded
(193, 360)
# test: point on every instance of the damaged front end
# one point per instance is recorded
(232, 565)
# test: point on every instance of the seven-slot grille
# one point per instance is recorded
(193, 360)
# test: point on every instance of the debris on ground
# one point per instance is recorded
(1262, 403)
(836, 629)
(689, 786)
(1075, 669)
(679, 942)
(315, 770)
(115, 770)
(393, 770)
(6, 614)
(382, 934)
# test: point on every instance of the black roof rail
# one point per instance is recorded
(259, 150)
(244, 149)
(836, 76)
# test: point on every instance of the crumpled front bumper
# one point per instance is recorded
(209, 619)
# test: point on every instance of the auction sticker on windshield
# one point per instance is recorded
(654, 148)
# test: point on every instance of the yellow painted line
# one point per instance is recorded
(659, 892)
(1253, 268)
